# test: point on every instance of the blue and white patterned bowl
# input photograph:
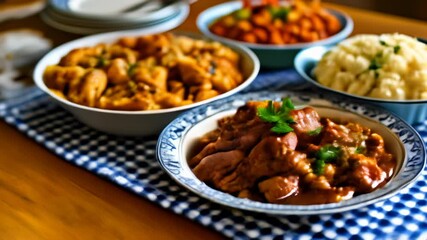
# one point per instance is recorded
(401, 139)
(412, 111)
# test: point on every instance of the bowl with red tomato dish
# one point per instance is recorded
(276, 32)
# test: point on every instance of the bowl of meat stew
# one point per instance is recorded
(136, 82)
(261, 153)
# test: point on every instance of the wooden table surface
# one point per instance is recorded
(44, 197)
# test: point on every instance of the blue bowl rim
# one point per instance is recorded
(204, 20)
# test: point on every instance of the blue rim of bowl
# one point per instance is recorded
(111, 36)
(204, 21)
(168, 152)
(309, 77)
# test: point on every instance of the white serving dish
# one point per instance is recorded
(132, 123)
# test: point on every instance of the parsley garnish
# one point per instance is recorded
(359, 149)
(242, 14)
(278, 12)
(319, 167)
(382, 42)
(376, 75)
(131, 70)
(396, 49)
(376, 62)
(282, 127)
(315, 132)
(279, 116)
(326, 154)
(132, 86)
(102, 62)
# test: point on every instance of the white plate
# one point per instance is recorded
(182, 133)
(159, 26)
(106, 10)
(93, 23)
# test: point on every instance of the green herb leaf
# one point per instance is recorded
(102, 62)
(242, 14)
(382, 42)
(131, 70)
(319, 167)
(287, 106)
(282, 127)
(329, 153)
(132, 86)
(359, 150)
(268, 113)
(326, 154)
(396, 49)
(278, 12)
(376, 75)
(280, 117)
(315, 132)
(375, 64)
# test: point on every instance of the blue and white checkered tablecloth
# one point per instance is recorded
(130, 162)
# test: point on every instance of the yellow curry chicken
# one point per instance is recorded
(271, 152)
(145, 73)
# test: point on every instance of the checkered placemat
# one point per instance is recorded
(130, 162)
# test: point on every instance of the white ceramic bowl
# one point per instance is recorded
(176, 140)
(270, 56)
(412, 111)
(132, 123)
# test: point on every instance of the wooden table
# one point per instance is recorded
(44, 197)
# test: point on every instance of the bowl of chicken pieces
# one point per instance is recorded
(291, 153)
(134, 82)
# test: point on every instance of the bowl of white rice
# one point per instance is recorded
(388, 70)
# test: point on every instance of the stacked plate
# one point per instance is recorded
(94, 16)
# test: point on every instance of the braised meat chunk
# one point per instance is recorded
(264, 160)
(271, 152)
(278, 187)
